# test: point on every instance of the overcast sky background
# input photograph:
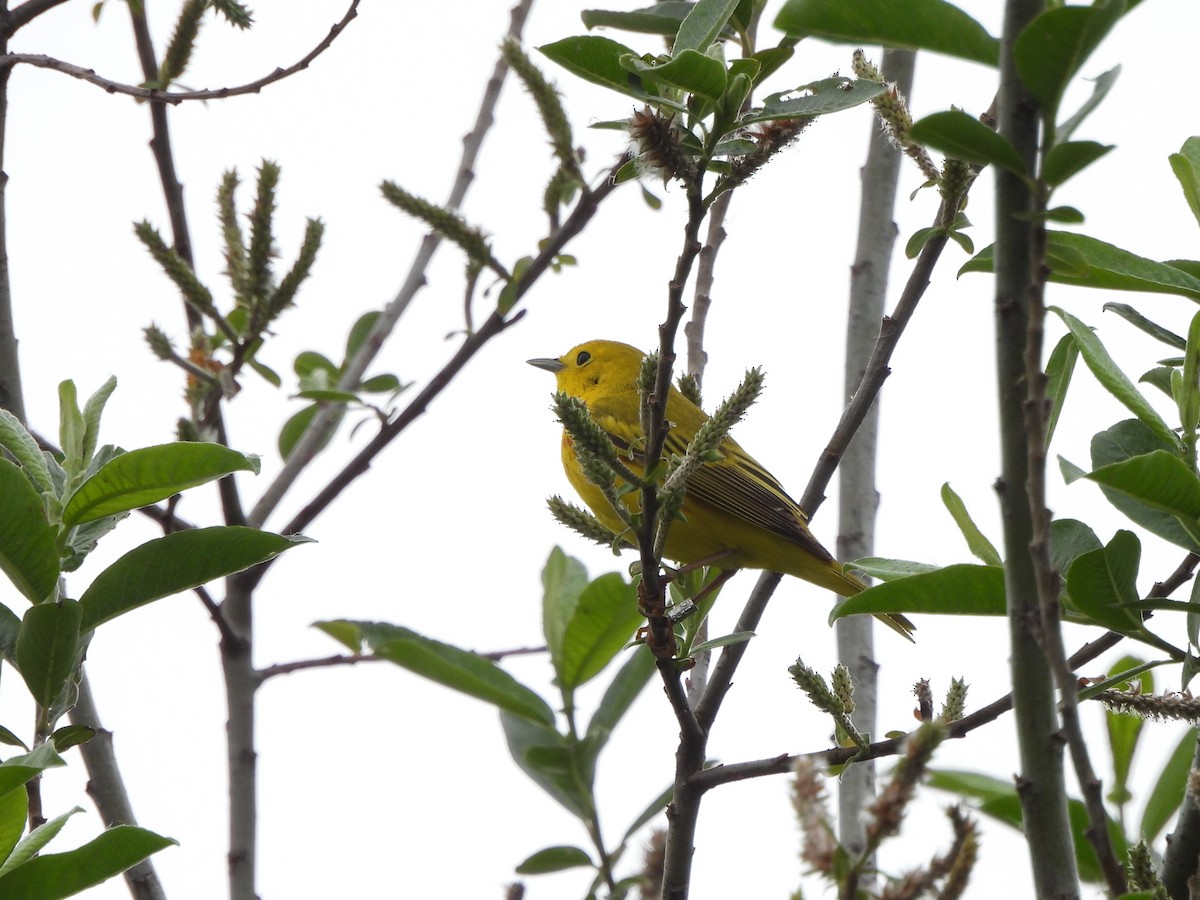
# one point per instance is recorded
(373, 782)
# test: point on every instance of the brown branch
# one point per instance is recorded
(343, 659)
(784, 764)
(42, 61)
(325, 662)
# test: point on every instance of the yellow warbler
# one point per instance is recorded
(736, 514)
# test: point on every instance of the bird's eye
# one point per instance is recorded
(582, 358)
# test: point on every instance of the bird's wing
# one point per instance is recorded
(737, 486)
(740, 487)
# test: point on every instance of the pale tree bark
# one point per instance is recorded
(859, 498)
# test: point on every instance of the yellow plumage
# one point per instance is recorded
(734, 509)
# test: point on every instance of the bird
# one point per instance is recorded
(736, 514)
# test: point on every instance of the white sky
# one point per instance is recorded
(375, 783)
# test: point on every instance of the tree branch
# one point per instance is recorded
(8, 60)
(1040, 784)
(859, 498)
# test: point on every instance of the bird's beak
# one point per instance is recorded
(550, 365)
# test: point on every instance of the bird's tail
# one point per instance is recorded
(895, 621)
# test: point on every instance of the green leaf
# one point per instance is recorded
(1127, 440)
(770, 61)
(1158, 480)
(455, 668)
(329, 396)
(268, 374)
(381, 384)
(964, 137)
(1113, 379)
(55, 875)
(661, 18)
(177, 562)
(1164, 799)
(1059, 369)
(978, 544)
(92, 411)
(1124, 731)
(891, 569)
(554, 859)
(998, 799)
(818, 98)
(295, 427)
(964, 590)
(689, 71)
(598, 60)
(7, 737)
(1186, 166)
(563, 581)
(17, 770)
(21, 444)
(14, 806)
(70, 428)
(1103, 84)
(912, 24)
(1068, 159)
(28, 555)
(145, 476)
(33, 842)
(48, 648)
(346, 633)
(549, 759)
(1135, 318)
(1050, 50)
(1117, 269)
(359, 332)
(310, 361)
(1066, 214)
(702, 25)
(603, 621)
(71, 736)
(1087, 262)
(1159, 377)
(1070, 539)
(626, 686)
(736, 637)
(1103, 583)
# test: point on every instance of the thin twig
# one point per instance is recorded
(325, 420)
(42, 61)
(325, 662)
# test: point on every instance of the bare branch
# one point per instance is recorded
(7, 61)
